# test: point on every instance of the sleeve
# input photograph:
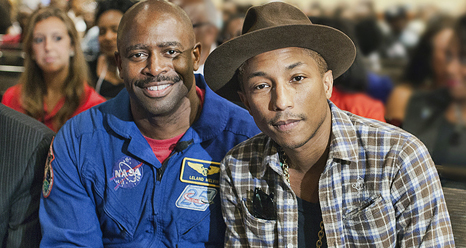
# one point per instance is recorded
(421, 211)
(67, 212)
(235, 234)
(23, 226)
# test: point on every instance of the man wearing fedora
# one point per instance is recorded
(317, 176)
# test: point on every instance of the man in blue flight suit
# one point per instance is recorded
(142, 169)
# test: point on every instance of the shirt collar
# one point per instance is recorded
(344, 141)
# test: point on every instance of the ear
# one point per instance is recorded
(244, 100)
(118, 62)
(196, 56)
(72, 51)
(327, 80)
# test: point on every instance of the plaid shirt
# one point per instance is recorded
(379, 188)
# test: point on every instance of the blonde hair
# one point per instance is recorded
(32, 80)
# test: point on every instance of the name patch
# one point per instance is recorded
(196, 197)
(127, 173)
(200, 172)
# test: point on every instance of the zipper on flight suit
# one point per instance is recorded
(180, 146)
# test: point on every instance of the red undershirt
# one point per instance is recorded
(163, 148)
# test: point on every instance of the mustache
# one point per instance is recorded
(285, 116)
(142, 83)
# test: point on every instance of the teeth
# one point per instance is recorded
(160, 87)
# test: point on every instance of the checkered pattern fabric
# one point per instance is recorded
(379, 188)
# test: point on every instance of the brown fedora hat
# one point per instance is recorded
(269, 27)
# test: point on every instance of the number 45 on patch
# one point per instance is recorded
(196, 197)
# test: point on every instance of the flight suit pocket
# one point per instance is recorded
(117, 222)
(373, 215)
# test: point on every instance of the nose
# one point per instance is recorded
(48, 44)
(110, 35)
(156, 64)
(282, 97)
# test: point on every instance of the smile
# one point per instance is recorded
(158, 87)
(157, 91)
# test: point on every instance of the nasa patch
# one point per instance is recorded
(196, 197)
(127, 173)
(48, 173)
(200, 172)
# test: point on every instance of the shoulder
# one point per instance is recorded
(25, 129)
(397, 101)
(11, 96)
(219, 114)
(368, 131)
(91, 99)
(239, 120)
(252, 147)
(384, 139)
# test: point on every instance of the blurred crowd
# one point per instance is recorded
(410, 68)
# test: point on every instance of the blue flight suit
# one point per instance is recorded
(105, 187)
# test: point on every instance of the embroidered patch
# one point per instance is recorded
(48, 173)
(200, 172)
(196, 197)
(127, 173)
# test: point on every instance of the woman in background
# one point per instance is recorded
(425, 71)
(438, 118)
(104, 70)
(53, 86)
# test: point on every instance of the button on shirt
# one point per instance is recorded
(379, 188)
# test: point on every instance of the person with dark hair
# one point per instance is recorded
(317, 176)
(438, 117)
(142, 169)
(53, 87)
(426, 68)
(350, 89)
(231, 28)
(24, 143)
(103, 69)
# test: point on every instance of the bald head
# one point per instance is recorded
(148, 12)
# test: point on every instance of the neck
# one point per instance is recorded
(162, 127)
(54, 81)
(313, 155)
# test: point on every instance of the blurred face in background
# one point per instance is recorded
(108, 27)
(51, 45)
(440, 42)
(456, 69)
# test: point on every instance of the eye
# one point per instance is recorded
(57, 38)
(38, 40)
(297, 78)
(172, 52)
(261, 86)
(102, 31)
(137, 56)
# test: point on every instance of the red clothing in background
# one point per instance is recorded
(359, 104)
(12, 97)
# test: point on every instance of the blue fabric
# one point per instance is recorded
(95, 203)
(379, 87)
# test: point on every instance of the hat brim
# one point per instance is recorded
(334, 46)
